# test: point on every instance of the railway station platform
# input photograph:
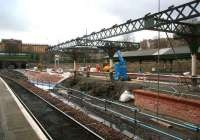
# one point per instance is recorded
(15, 122)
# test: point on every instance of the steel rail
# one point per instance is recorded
(63, 113)
(136, 121)
(185, 125)
(132, 120)
(33, 116)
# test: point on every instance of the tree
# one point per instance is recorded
(128, 38)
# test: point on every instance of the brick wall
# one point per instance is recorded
(179, 66)
(178, 107)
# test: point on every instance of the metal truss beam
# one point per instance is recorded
(143, 24)
(179, 13)
(169, 20)
(94, 43)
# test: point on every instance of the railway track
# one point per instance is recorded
(138, 123)
(146, 128)
(53, 122)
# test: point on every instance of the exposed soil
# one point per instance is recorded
(100, 88)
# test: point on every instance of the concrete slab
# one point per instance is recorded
(13, 123)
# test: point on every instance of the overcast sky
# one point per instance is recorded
(54, 21)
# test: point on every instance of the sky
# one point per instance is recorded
(55, 21)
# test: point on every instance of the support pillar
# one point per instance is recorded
(74, 65)
(140, 67)
(111, 63)
(111, 68)
(171, 66)
(194, 64)
(54, 63)
(164, 65)
(74, 69)
(194, 69)
(194, 44)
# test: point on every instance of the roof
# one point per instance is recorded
(137, 53)
(181, 52)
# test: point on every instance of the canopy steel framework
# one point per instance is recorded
(169, 20)
(93, 43)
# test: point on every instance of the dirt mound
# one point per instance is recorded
(99, 88)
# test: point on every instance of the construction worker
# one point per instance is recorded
(88, 71)
(111, 73)
(97, 68)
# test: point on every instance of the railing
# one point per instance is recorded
(113, 107)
